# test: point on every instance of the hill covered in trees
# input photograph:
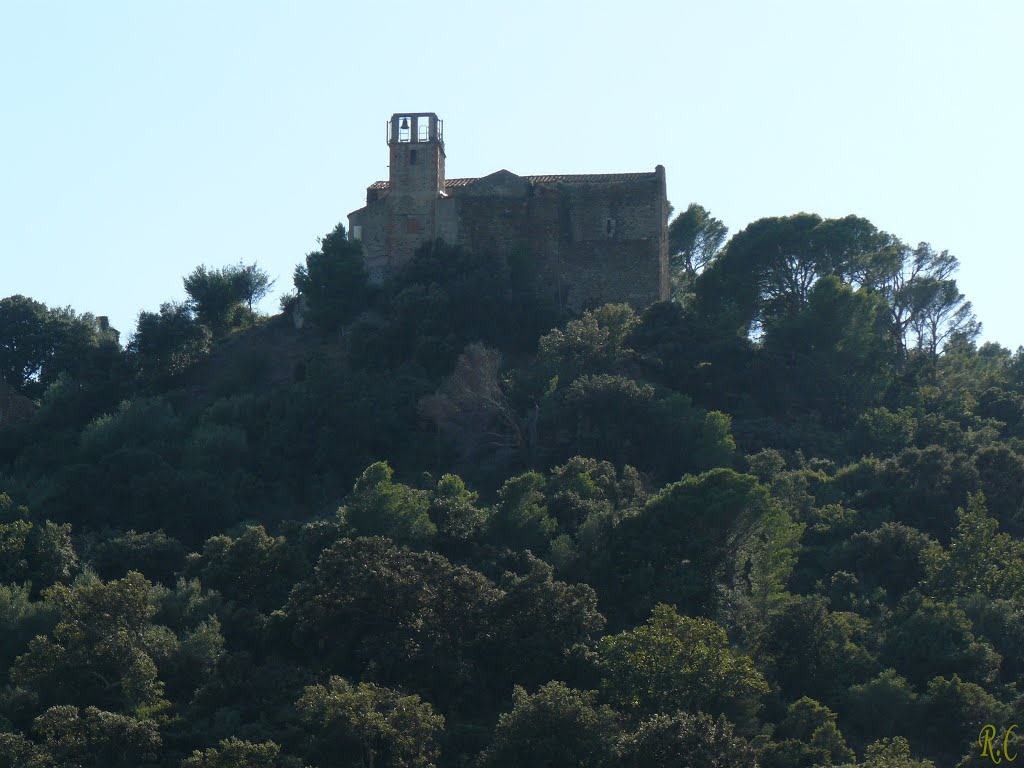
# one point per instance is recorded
(776, 521)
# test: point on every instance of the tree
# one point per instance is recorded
(251, 282)
(955, 712)
(472, 408)
(941, 313)
(334, 281)
(890, 753)
(595, 343)
(767, 270)
(26, 344)
(903, 275)
(675, 663)
(892, 557)
(38, 344)
(834, 356)
(36, 552)
(809, 733)
(931, 638)
(810, 649)
(883, 705)
(235, 753)
(414, 616)
(685, 739)
(213, 294)
(92, 738)
(520, 519)
(694, 239)
(18, 752)
(252, 568)
(538, 621)
(557, 725)
(371, 726)
(21, 619)
(677, 548)
(454, 511)
(168, 342)
(979, 560)
(378, 506)
(100, 652)
(153, 553)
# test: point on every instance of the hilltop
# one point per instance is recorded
(444, 520)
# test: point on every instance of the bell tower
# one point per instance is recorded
(416, 149)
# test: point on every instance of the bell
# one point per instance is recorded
(405, 124)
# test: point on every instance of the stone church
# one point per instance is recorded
(594, 238)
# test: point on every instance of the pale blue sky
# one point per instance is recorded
(142, 139)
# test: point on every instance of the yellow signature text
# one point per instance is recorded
(987, 742)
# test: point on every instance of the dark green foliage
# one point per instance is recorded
(886, 704)
(685, 739)
(679, 663)
(520, 519)
(767, 271)
(168, 342)
(380, 507)
(891, 557)
(92, 738)
(955, 711)
(811, 650)
(930, 637)
(694, 240)
(252, 568)
(675, 548)
(349, 616)
(557, 725)
(807, 736)
(33, 551)
(153, 553)
(217, 295)
(333, 282)
(454, 511)
(835, 357)
(370, 726)
(38, 344)
(456, 526)
(235, 753)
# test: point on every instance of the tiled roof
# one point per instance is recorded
(557, 178)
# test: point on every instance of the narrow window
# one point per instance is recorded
(357, 232)
(412, 157)
(609, 227)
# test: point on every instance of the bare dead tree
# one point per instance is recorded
(474, 411)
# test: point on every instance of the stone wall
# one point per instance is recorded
(591, 241)
(15, 409)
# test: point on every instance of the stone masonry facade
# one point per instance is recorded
(593, 239)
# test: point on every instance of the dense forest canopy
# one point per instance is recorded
(776, 521)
